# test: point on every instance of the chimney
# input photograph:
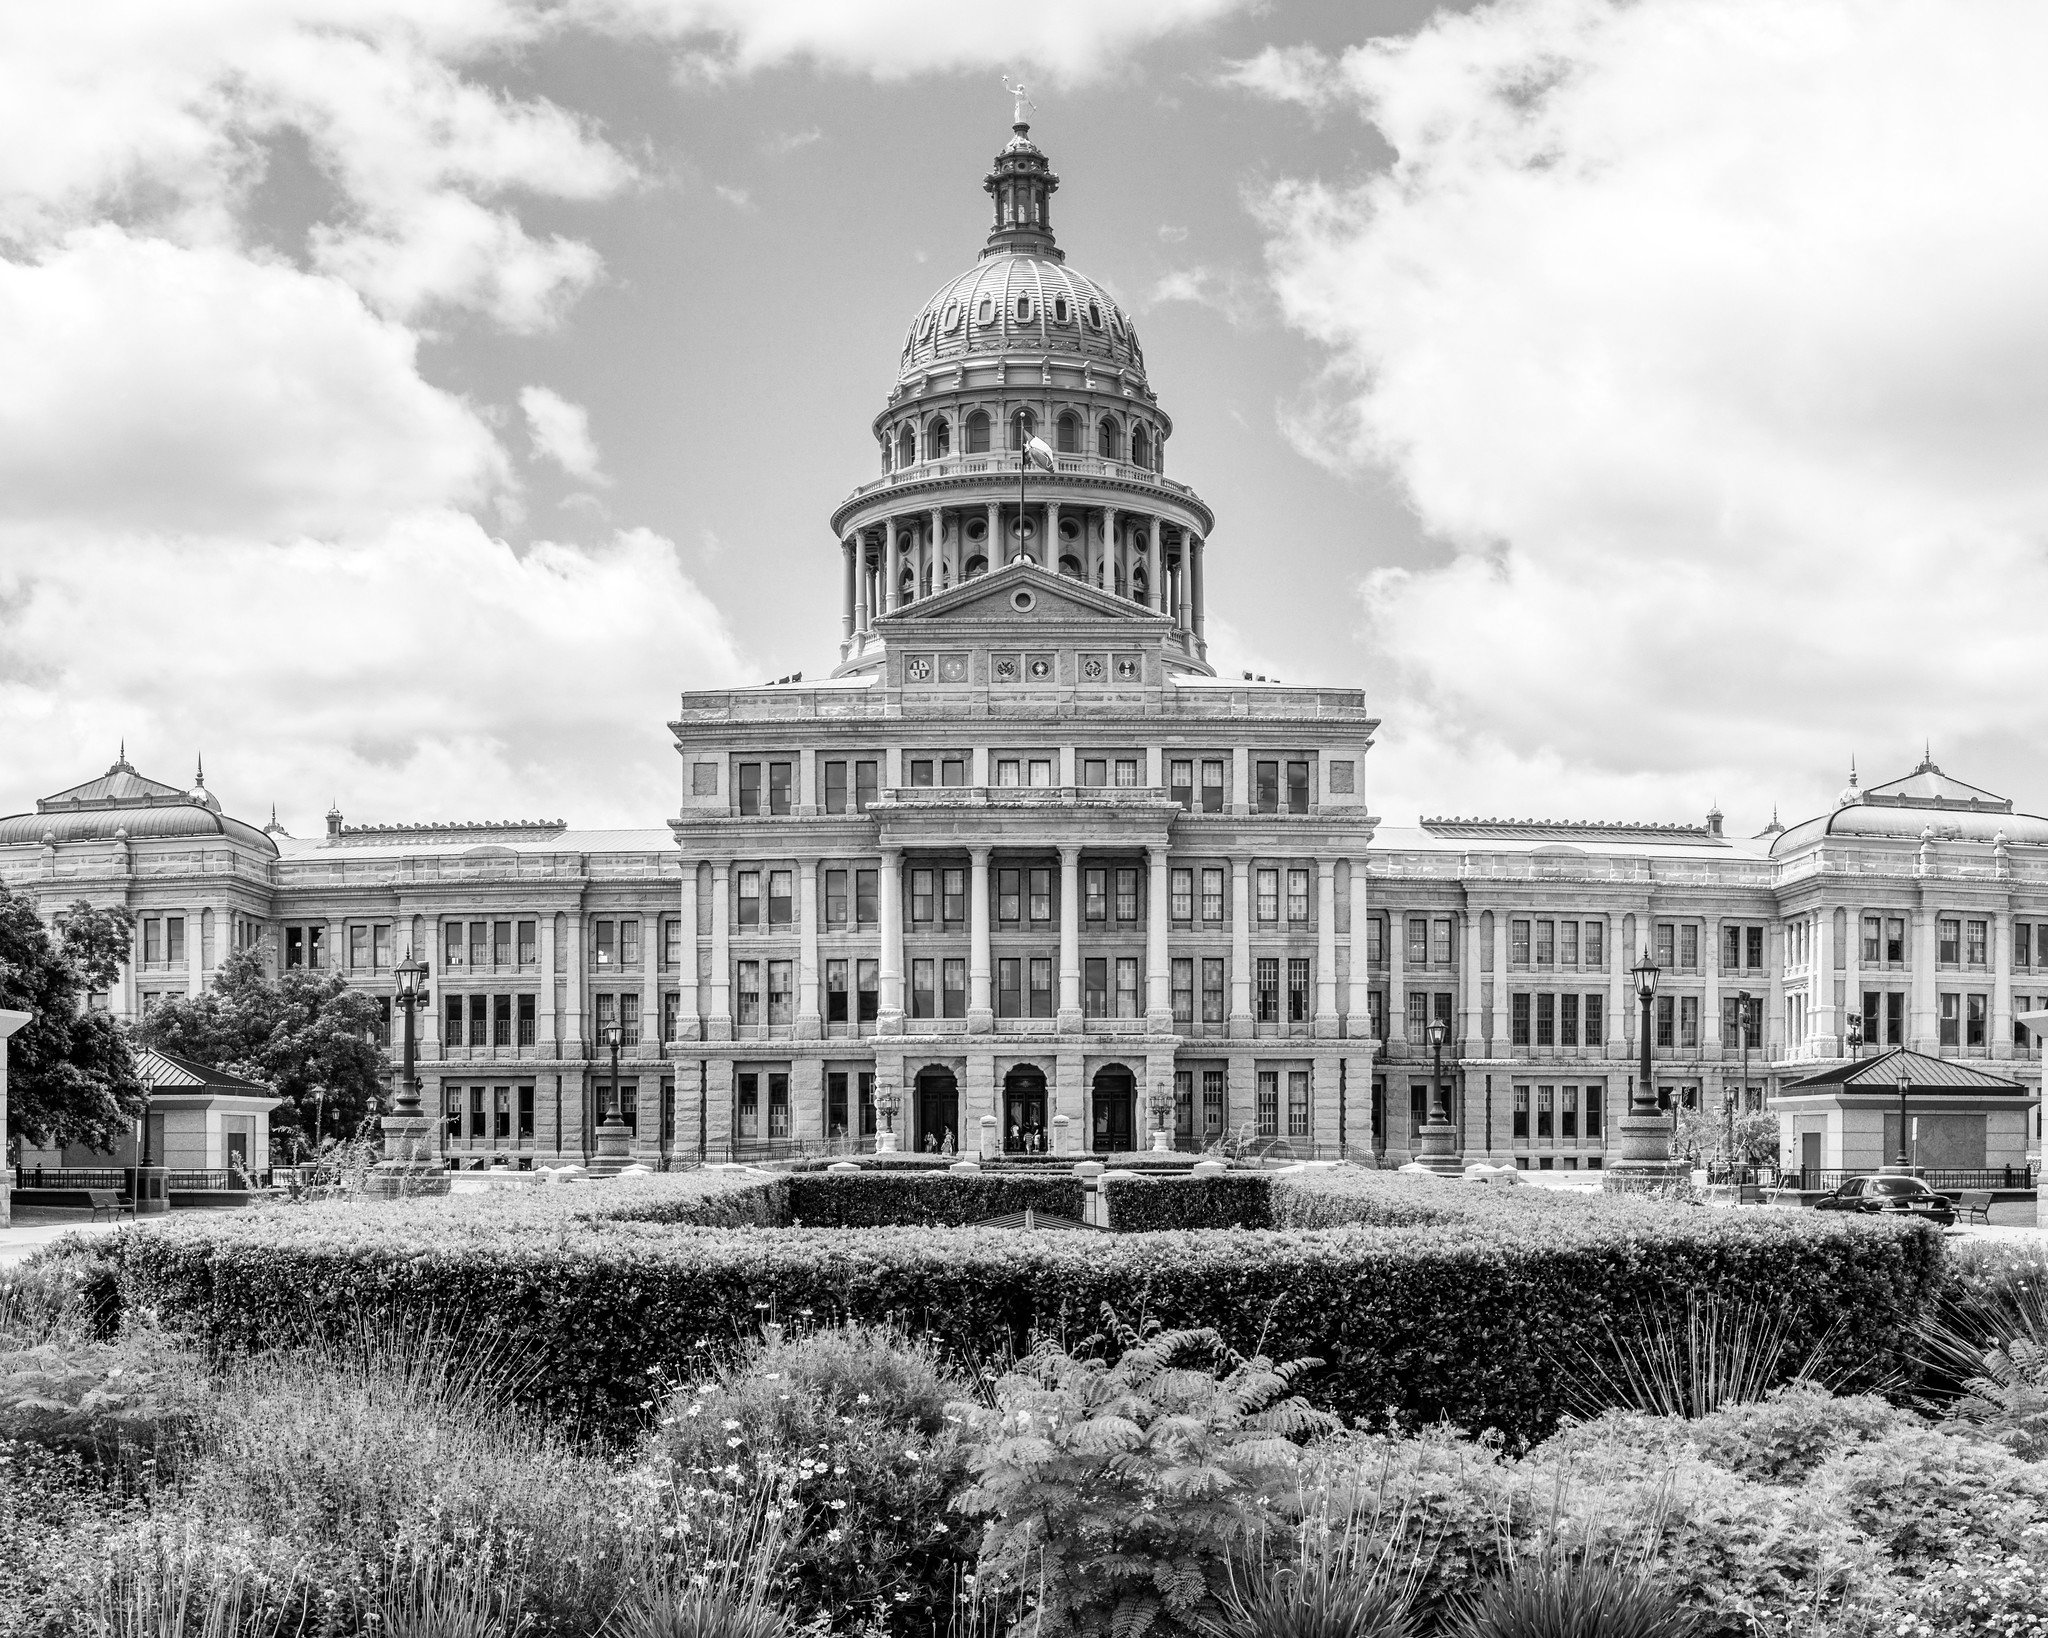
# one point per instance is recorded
(1714, 821)
(334, 824)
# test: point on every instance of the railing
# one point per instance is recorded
(1813, 1180)
(990, 463)
(116, 1177)
(1026, 796)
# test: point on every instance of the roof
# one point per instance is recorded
(1924, 803)
(1881, 1074)
(122, 805)
(1573, 830)
(419, 844)
(173, 1072)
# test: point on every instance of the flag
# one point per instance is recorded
(1037, 452)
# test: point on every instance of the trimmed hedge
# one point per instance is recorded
(1146, 1205)
(1480, 1318)
(942, 1200)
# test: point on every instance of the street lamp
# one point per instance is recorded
(1162, 1111)
(1905, 1164)
(412, 991)
(1646, 972)
(1436, 1033)
(886, 1104)
(1439, 1135)
(407, 1165)
(1742, 1030)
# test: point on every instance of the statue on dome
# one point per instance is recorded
(1023, 101)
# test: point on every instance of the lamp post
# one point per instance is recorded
(1645, 1135)
(1162, 1112)
(886, 1104)
(1439, 1134)
(1903, 1166)
(408, 1166)
(1742, 1034)
(613, 1142)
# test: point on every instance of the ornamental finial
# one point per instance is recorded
(1022, 101)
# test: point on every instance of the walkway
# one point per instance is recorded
(37, 1226)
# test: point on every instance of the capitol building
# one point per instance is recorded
(1017, 869)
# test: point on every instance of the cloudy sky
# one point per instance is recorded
(1647, 403)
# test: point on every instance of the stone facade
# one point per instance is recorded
(1023, 867)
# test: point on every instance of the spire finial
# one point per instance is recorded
(1022, 101)
(199, 773)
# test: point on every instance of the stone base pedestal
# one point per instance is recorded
(1439, 1151)
(408, 1166)
(885, 1142)
(1162, 1142)
(614, 1149)
(1645, 1150)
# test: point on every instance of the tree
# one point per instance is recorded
(71, 1076)
(307, 1036)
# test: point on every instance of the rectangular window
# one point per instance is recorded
(1593, 1111)
(501, 944)
(1731, 948)
(1667, 1020)
(1297, 897)
(629, 1013)
(1039, 771)
(1297, 787)
(781, 907)
(1976, 939)
(1212, 896)
(746, 896)
(1568, 1111)
(1127, 895)
(924, 908)
(835, 1104)
(1095, 986)
(1095, 894)
(1269, 895)
(1518, 1019)
(1297, 990)
(1418, 941)
(1689, 946)
(358, 945)
(1418, 1017)
(479, 943)
(1009, 771)
(1895, 1018)
(526, 1113)
(748, 1005)
(1521, 1119)
(1546, 1019)
(867, 977)
(835, 787)
(1009, 896)
(1212, 1102)
(1041, 987)
(1212, 990)
(924, 995)
(1596, 1020)
(747, 1086)
(953, 770)
(1689, 1022)
(835, 991)
(1126, 772)
(1376, 1011)
(1546, 944)
(1872, 1018)
(1183, 990)
(1212, 786)
(671, 1015)
(1009, 987)
(1180, 784)
(1127, 987)
(1518, 943)
(1873, 940)
(1544, 1099)
(1894, 941)
(1949, 950)
(1667, 944)
(451, 1027)
(778, 1104)
(501, 1020)
(867, 784)
(294, 945)
(1974, 1020)
(1596, 944)
(1567, 944)
(750, 789)
(867, 897)
(1094, 772)
(1268, 970)
(1297, 1103)
(1040, 882)
(1951, 1018)
(921, 771)
(1182, 882)
(1269, 1103)
(529, 949)
(526, 1020)
(778, 786)
(835, 898)
(1568, 1020)
(1266, 781)
(478, 1117)
(953, 987)
(779, 1011)
(2022, 944)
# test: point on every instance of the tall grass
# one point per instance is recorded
(1347, 1570)
(1562, 1594)
(1726, 1351)
(177, 1579)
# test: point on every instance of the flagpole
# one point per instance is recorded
(1023, 467)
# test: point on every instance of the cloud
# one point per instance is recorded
(1239, 297)
(788, 142)
(561, 433)
(1169, 234)
(1711, 348)
(1298, 74)
(738, 198)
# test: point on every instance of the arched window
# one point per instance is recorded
(1023, 309)
(1022, 425)
(977, 433)
(1141, 447)
(1069, 435)
(950, 319)
(1109, 443)
(906, 447)
(885, 452)
(985, 312)
(924, 330)
(1094, 316)
(908, 583)
(938, 440)
(1059, 309)
(1070, 566)
(977, 566)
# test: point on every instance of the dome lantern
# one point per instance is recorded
(1022, 185)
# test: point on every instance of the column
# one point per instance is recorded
(995, 554)
(1153, 565)
(687, 1025)
(650, 991)
(1098, 571)
(1473, 1027)
(1158, 968)
(1852, 974)
(1710, 1001)
(892, 568)
(863, 615)
(719, 1024)
(1359, 1002)
(1240, 947)
(1201, 637)
(1397, 982)
(938, 529)
(1499, 1031)
(1620, 999)
(1240, 780)
(572, 971)
(809, 1019)
(846, 600)
(1070, 940)
(1326, 947)
(1822, 1022)
(980, 1011)
(2001, 984)
(1183, 618)
(1925, 1035)
(548, 1027)
(891, 952)
(807, 799)
(1049, 552)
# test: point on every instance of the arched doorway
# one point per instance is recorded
(1115, 1093)
(1024, 1114)
(938, 1110)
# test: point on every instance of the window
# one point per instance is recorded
(1667, 944)
(529, 951)
(746, 897)
(1126, 772)
(1268, 970)
(868, 989)
(1297, 897)
(1375, 941)
(1546, 1019)
(1212, 785)
(1038, 772)
(1544, 1099)
(1212, 895)
(1568, 1020)
(977, 423)
(671, 1015)
(1593, 1111)
(1418, 941)
(1267, 785)
(1269, 895)
(1951, 1018)
(501, 1020)
(924, 907)
(2022, 944)
(1418, 1016)
(747, 1003)
(778, 992)
(1212, 990)
(1895, 1018)
(1667, 1020)
(1521, 1119)
(1732, 1022)
(1873, 940)
(1689, 1022)
(1127, 987)
(1567, 943)
(1009, 896)
(451, 1027)
(1297, 1103)
(1040, 884)
(779, 782)
(1974, 1020)
(1040, 973)
(1596, 950)
(526, 1020)
(1095, 986)
(953, 987)
(866, 897)
(1009, 987)
(835, 898)
(1895, 941)
(1689, 946)
(835, 991)
(781, 905)
(1212, 1101)
(1976, 935)
(750, 789)
(1009, 771)
(1269, 1102)
(1180, 784)
(1182, 883)
(358, 946)
(924, 978)
(1127, 895)
(1949, 942)
(1596, 1020)
(478, 944)
(1518, 943)
(1297, 787)
(1518, 1019)
(1297, 990)
(1094, 771)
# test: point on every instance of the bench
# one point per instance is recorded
(1975, 1205)
(106, 1200)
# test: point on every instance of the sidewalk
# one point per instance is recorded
(36, 1227)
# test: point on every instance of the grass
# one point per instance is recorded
(1727, 1351)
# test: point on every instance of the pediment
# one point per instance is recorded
(1022, 594)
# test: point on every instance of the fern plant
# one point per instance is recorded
(1116, 1494)
(2010, 1400)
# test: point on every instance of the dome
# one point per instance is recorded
(1021, 301)
(158, 822)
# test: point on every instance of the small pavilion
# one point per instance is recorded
(1958, 1117)
(200, 1120)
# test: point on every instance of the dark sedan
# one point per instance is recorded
(1908, 1195)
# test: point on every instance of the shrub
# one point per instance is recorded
(1468, 1319)
(1558, 1594)
(1144, 1205)
(117, 1404)
(846, 1427)
(2010, 1400)
(1116, 1494)
(883, 1198)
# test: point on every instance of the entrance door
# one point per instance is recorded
(938, 1111)
(1024, 1130)
(1809, 1156)
(1113, 1100)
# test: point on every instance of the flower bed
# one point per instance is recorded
(1477, 1315)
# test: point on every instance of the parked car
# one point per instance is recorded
(1908, 1195)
